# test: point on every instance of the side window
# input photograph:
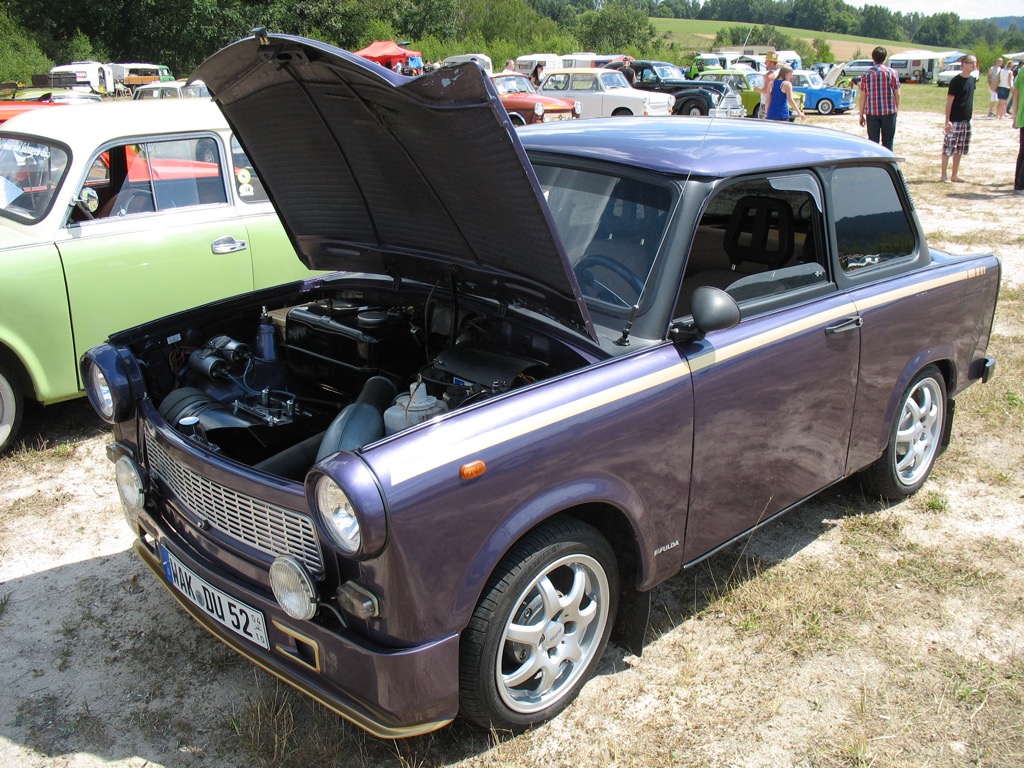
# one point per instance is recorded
(248, 187)
(582, 83)
(157, 176)
(761, 241)
(556, 83)
(871, 224)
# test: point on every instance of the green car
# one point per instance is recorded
(123, 214)
(748, 84)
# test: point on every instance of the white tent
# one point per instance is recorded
(1014, 56)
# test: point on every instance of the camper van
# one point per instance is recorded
(480, 59)
(525, 64)
(134, 74)
(88, 75)
(919, 66)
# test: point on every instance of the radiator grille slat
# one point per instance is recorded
(269, 528)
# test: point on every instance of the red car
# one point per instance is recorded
(9, 109)
(525, 106)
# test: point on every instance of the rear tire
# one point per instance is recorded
(540, 628)
(914, 441)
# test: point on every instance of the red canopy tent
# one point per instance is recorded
(386, 52)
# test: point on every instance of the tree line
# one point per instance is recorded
(181, 33)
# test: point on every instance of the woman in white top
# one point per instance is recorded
(1003, 86)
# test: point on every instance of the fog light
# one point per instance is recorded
(130, 487)
(358, 601)
(293, 588)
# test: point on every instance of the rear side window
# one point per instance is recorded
(872, 226)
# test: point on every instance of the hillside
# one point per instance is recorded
(695, 34)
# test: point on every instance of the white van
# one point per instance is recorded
(481, 59)
(525, 64)
(89, 75)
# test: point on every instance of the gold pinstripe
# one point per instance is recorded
(439, 456)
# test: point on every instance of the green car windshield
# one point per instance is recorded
(30, 175)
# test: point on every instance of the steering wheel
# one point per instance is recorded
(584, 271)
(138, 201)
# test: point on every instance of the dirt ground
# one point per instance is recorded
(847, 634)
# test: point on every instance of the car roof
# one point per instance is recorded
(701, 146)
(96, 123)
(578, 70)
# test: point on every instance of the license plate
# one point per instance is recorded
(218, 605)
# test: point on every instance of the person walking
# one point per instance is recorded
(781, 104)
(993, 85)
(959, 111)
(1003, 86)
(771, 64)
(1018, 123)
(880, 100)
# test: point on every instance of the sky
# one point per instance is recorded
(965, 9)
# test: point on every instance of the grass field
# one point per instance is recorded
(687, 35)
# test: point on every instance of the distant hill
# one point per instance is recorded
(1004, 22)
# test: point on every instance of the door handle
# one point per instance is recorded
(228, 244)
(848, 324)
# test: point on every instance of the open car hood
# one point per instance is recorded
(417, 178)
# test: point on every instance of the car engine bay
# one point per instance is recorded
(281, 388)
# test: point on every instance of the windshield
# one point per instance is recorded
(611, 227)
(30, 174)
(513, 84)
(668, 72)
(815, 80)
(614, 79)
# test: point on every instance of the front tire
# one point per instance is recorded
(825, 107)
(622, 112)
(914, 441)
(12, 407)
(540, 628)
(692, 109)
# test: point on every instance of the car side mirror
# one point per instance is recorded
(88, 200)
(713, 310)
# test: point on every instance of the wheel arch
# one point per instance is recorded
(18, 371)
(946, 366)
(628, 539)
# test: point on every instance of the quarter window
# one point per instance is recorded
(871, 222)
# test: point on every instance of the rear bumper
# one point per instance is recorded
(390, 693)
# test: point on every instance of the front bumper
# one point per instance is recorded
(727, 112)
(390, 693)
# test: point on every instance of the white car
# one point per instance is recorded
(949, 72)
(175, 89)
(604, 93)
(857, 67)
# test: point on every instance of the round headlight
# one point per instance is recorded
(671, 102)
(100, 396)
(293, 588)
(538, 108)
(577, 107)
(130, 487)
(338, 516)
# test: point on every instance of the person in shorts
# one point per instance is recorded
(771, 64)
(959, 111)
(993, 85)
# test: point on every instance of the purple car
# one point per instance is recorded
(562, 363)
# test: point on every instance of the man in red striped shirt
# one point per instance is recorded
(880, 100)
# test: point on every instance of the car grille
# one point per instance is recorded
(269, 528)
